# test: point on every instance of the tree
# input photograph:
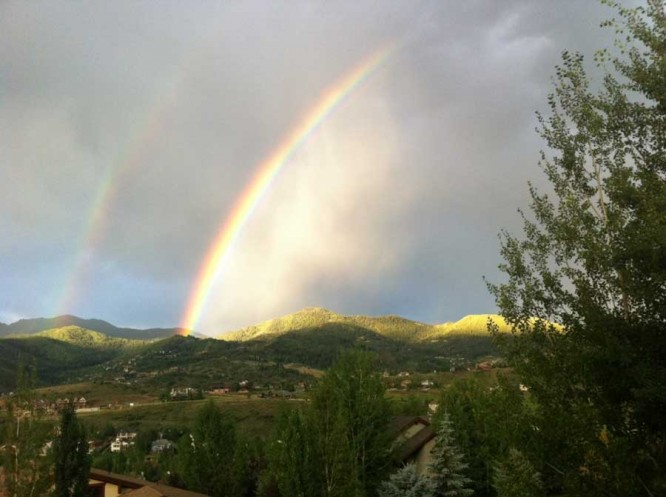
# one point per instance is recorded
(586, 284)
(294, 456)
(489, 420)
(447, 467)
(71, 460)
(352, 413)
(339, 444)
(406, 482)
(25, 462)
(516, 477)
(206, 455)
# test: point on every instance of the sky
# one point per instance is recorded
(130, 132)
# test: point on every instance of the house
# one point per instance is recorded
(219, 391)
(182, 392)
(123, 441)
(414, 439)
(484, 366)
(160, 445)
(106, 484)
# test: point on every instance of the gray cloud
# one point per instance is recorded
(391, 207)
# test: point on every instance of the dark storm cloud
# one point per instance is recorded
(392, 207)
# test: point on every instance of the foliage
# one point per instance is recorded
(69, 349)
(339, 445)
(26, 466)
(406, 482)
(447, 468)
(592, 259)
(71, 460)
(515, 476)
(89, 338)
(293, 456)
(206, 455)
(489, 420)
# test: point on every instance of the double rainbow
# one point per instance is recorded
(222, 246)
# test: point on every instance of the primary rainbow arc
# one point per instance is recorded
(222, 245)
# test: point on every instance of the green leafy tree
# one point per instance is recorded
(206, 454)
(490, 418)
(586, 287)
(515, 476)
(447, 469)
(71, 460)
(27, 467)
(294, 456)
(406, 482)
(338, 445)
(352, 412)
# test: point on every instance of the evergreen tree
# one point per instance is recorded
(406, 482)
(447, 469)
(71, 460)
(586, 288)
(516, 477)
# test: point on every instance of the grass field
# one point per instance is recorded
(253, 416)
(100, 394)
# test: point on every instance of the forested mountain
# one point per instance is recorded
(269, 352)
(394, 327)
(36, 325)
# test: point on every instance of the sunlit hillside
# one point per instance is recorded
(88, 338)
(395, 327)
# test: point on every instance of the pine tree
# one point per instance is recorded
(447, 467)
(71, 460)
(516, 477)
(406, 482)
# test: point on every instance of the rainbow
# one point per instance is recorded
(145, 133)
(267, 171)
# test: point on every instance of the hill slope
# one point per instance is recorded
(37, 325)
(88, 338)
(394, 327)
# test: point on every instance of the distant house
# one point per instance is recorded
(414, 439)
(183, 393)
(219, 391)
(160, 445)
(485, 366)
(106, 484)
(123, 441)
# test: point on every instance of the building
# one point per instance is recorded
(414, 439)
(160, 445)
(106, 484)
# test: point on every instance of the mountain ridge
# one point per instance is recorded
(32, 326)
(390, 326)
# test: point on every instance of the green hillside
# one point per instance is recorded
(37, 325)
(88, 338)
(268, 353)
(395, 327)
(474, 324)
(56, 360)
